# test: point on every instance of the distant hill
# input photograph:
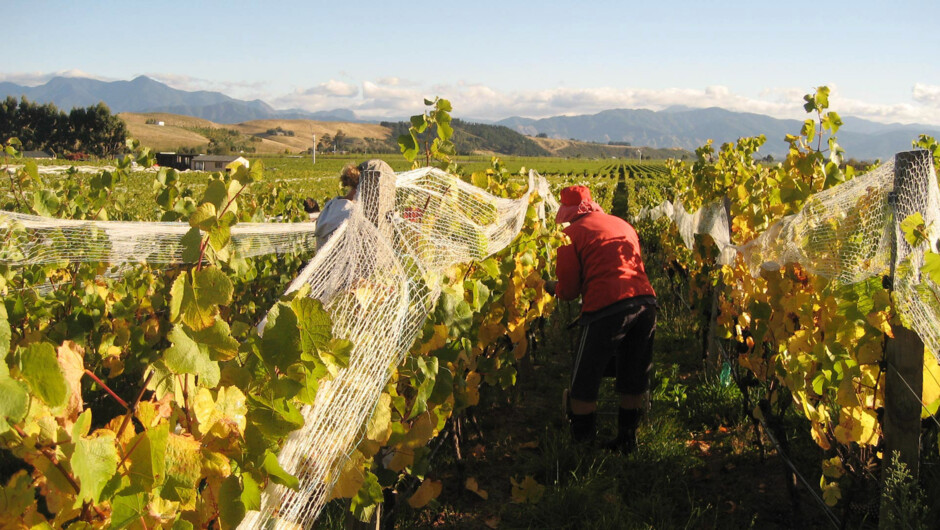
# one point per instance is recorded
(690, 128)
(296, 136)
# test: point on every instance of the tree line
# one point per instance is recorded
(91, 131)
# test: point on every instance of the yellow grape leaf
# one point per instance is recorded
(215, 464)
(350, 478)
(71, 359)
(400, 460)
(880, 321)
(846, 395)
(421, 431)
(931, 387)
(380, 425)
(799, 342)
(534, 279)
(126, 436)
(429, 489)
(437, 341)
(856, 424)
(221, 416)
(528, 491)
(16, 498)
(831, 492)
(871, 351)
(489, 333)
(519, 339)
(473, 388)
(832, 467)
(472, 485)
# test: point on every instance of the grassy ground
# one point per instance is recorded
(698, 465)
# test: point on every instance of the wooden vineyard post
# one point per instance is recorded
(377, 193)
(904, 354)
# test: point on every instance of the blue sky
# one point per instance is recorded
(496, 59)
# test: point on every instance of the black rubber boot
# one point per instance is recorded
(583, 427)
(627, 421)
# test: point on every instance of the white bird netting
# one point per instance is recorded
(850, 232)
(379, 277)
(379, 281)
(38, 240)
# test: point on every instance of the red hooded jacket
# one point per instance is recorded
(602, 263)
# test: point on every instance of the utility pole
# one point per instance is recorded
(314, 150)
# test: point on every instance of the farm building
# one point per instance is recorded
(180, 161)
(37, 154)
(215, 162)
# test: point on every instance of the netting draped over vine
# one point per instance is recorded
(379, 281)
(850, 232)
(40, 240)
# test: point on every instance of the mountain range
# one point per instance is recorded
(689, 128)
(681, 127)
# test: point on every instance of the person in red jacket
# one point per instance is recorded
(604, 267)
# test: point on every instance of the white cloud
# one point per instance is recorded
(396, 98)
(40, 78)
(334, 88)
(235, 89)
(927, 94)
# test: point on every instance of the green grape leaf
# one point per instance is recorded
(216, 194)
(409, 146)
(148, 459)
(217, 340)
(368, 496)
(197, 303)
(443, 386)
(231, 508)
(275, 418)
(915, 229)
(40, 368)
(251, 493)
(316, 330)
(204, 217)
(182, 524)
(445, 131)
(932, 266)
(419, 123)
(186, 356)
(190, 243)
(17, 496)
(183, 470)
(425, 372)
(94, 461)
(336, 355)
(126, 510)
(281, 342)
(277, 474)
(444, 105)
(212, 287)
(5, 334)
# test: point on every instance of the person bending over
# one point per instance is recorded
(603, 265)
(337, 210)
